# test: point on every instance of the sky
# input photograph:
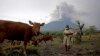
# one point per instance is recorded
(24, 10)
(48, 11)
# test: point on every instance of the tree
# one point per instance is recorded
(80, 33)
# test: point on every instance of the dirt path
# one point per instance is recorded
(58, 50)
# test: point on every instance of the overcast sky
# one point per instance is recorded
(87, 11)
(24, 10)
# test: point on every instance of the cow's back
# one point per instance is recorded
(15, 30)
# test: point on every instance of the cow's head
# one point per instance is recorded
(36, 27)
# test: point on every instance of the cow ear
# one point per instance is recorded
(30, 22)
(42, 24)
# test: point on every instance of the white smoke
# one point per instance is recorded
(88, 12)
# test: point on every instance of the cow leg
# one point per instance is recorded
(24, 49)
(1, 42)
(12, 43)
(0, 47)
(18, 42)
(52, 41)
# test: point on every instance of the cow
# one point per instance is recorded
(19, 31)
(45, 38)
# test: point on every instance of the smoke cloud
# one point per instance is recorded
(88, 12)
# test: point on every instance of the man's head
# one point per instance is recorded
(67, 27)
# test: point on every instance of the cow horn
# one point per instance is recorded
(42, 24)
(31, 22)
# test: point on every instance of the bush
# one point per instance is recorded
(14, 51)
(33, 51)
(17, 51)
(90, 30)
(76, 40)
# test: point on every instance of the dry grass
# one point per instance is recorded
(87, 43)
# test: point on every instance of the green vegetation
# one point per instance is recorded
(91, 30)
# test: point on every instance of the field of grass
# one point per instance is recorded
(55, 48)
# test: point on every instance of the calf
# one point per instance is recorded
(45, 38)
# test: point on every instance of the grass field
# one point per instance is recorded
(90, 46)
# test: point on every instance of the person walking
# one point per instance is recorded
(68, 33)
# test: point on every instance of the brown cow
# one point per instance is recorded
(19, 31)
(46, 37)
